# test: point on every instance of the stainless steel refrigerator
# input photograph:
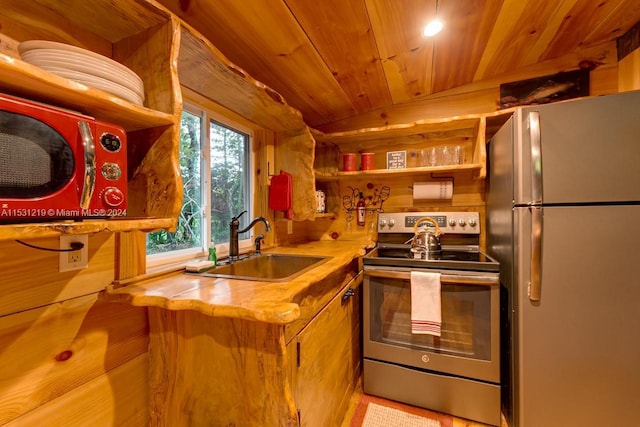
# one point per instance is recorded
(563, 220)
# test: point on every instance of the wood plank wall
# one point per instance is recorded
(66, 356)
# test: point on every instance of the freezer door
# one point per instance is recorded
(589, 150)
(576, 350)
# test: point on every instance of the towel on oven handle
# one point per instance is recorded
(426, 313)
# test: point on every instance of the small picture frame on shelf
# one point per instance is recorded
(396, 159)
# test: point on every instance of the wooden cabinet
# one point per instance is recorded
(327, 362)
(138, 34)
(236, 371)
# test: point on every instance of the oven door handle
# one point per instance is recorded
(455, 279)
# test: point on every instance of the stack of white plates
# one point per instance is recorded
(84, 66)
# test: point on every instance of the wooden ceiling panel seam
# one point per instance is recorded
(375, 25)
(587, 19)
(406, 55)
(623, 16)
(339, 31)
(466, 38)
(550, 31)
(538, 18)
(503, 31)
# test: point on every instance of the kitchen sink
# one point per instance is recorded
(267, 267)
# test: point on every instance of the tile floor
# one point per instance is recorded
(455, 422)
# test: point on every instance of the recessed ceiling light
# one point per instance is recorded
(433, 28)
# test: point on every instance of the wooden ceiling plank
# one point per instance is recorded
(624, 16)
(505, 28)
(529, 28)
(549, 32)
(459, 47)
(324, 63)
(339, 31)
(406, 55)
(603, 53)
(268, 42)
(475, 98)
(398, 25)
(409, 75)
(587, 20)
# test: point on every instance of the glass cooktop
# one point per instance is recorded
(462, 258)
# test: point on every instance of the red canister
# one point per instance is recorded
(349, 162)
(367, 161)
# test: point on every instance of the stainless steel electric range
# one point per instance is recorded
(457, 372)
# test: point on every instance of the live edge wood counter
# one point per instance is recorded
(234, 352)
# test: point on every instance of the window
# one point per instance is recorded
(215, 163)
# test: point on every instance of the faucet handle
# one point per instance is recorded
(235, 218)
(257, 242)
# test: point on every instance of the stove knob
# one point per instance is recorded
(462, 222)
(383, 223)
(472, 222)
(452, 222)
(392, 222)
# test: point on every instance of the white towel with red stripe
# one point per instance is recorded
(426, 314)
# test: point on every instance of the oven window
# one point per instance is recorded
(466, 318)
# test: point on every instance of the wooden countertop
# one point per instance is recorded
(252, 300)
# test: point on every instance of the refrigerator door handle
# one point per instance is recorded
(535, 275)
(536, 156)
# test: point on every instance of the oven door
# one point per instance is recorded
(469, 343)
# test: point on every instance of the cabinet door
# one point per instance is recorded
(329, 358)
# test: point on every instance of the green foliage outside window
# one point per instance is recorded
(228, 165)
(228, 184)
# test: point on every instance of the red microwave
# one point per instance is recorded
(56, 163)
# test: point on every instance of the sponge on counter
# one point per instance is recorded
(199, 266)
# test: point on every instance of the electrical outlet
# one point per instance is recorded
(74, 260)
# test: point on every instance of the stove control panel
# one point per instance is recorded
(449, 222)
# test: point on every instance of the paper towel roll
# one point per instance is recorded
(433, 190)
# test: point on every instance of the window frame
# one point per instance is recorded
(182, 256)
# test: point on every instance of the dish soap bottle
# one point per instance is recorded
(360, 211)
(212, 255)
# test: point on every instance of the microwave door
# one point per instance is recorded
(89, 149)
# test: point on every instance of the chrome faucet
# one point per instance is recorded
(233, 229)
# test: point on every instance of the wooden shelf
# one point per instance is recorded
(57, 228)
(323, 177)
(430, 130)
(29, 81)
(326, 215)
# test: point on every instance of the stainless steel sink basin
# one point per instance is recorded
(267, 267)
